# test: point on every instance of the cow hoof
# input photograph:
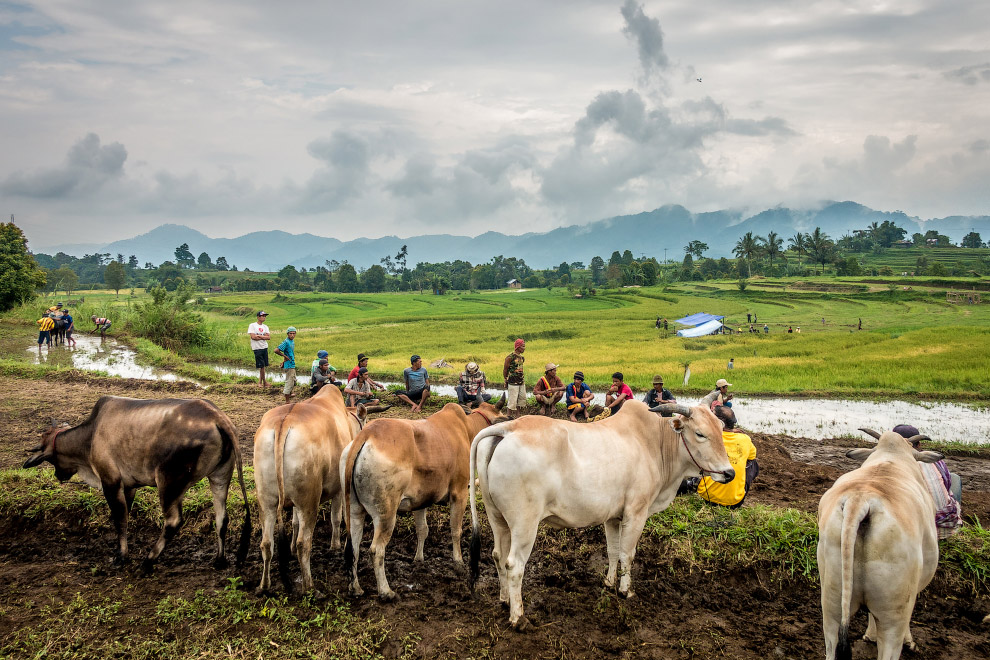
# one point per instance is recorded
(522, 625)
(221, 563)
(147, 567)
(262, 591)
(118, 561)
(911, 646)
(355, 591)
(389, 597)
(316, 594)
(867, 638)
(628, 594)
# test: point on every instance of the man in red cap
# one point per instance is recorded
(512, 371)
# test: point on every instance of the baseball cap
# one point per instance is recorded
(291, 328)
(414, 358)
(550, 366)
(262, 313)
(322, 354)
(362, 370)
(721, 382)
(906, 430)
(324, 361)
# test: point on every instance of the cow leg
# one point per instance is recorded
(357, 517)
(170, 496)
(219, 486)
(384, 525)
(293, 547)
(613, 535)
(117, 500)
(267, 504)
(520, 547)
(306, 515)
(631, 529)
(501, 537)
(458, 503)
(422, 531)
(336, 514)
(891, 628)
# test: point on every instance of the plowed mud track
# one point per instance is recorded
(679, 611)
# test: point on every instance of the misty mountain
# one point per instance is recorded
(669, 227)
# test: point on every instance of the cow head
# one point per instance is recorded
(47, 451)
(896, 443)
(491, 412)
(700, 431)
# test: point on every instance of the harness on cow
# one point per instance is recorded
(360, 423)
(490, 421)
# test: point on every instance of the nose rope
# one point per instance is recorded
(703, 470)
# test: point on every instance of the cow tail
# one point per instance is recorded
(244, 543)
(348, 486)
(281, 538)
(854, 513)
(475, 557)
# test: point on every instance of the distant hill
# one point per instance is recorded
(668, 227)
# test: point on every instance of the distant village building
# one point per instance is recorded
(213, 289)
(931, 242)
(904, 244)
(514, 284)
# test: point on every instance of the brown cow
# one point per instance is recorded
(407, 465)
(296, 454)
(167, 443)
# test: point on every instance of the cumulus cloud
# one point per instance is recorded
(646, 32)
(882, 155)
(970, 75)
(346, 161)
(88, 166)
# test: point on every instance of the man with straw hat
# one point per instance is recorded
(549, 389)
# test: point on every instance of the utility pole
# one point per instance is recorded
(665, 256)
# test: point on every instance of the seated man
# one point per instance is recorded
(549, 389)
(945, 487)
(471, 388)
(724, 398)
(417, 382)
(618, 394)
(358, 390)
(659, 394)
(320, 377)
(362, 361)
(322, 355)
(742, 457)
(578, 397)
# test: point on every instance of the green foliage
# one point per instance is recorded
(167, 321)
(115, 276)
(20, 275)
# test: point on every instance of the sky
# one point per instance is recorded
(403, 118)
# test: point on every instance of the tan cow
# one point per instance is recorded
(407, 465)
(616, 472)
(296, 455)
(877, 545)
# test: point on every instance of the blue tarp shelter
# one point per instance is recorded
(698, 319)
(709, 328)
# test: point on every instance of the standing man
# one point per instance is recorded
(45, 327)
(549, 389)
(766, 329)
(618, 394)
(69, 328)
(287, 351)
(512, 372)
(860, 325)
(260, 334)
(732, 362)
(659, 394)
(749, 317)
(417, 382)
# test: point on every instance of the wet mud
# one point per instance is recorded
(680, 610)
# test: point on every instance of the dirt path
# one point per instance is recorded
(680, 611)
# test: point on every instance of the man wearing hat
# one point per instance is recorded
(287, 351)
(260, 334)
(549, 389)
(945, 488)
(724, 398)
(417, 382)
(579, 397)
(323, 355)
(659, 394)
(512, 372)
(362, 361)
(471, 387)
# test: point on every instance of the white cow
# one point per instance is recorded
(877, 545)
(616, 472)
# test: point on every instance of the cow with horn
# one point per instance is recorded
(615, 472)
(297, 450)
(877, 544)
(166, 443)
(408, 465)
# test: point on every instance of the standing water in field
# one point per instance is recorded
(798, 417)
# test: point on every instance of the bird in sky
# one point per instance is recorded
(698, 79)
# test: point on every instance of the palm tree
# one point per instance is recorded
(747, 247)
(772, 245)
(820, 246)
(798, 243)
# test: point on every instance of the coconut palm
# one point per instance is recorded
(772, 245)
(747, 247)
(798, 243)
(820, 247)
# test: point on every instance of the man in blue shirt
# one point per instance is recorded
(287, 350)
(417, 384)
(578, 397)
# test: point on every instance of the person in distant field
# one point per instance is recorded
(658, 323)
(723, 398)
(732, 364)
(823, 320)
(659, 394)
(55, 308)
(578, 397)
(742, 456)
(549, 389)
(754, 319)
(751, 329)
(665, 324)
(945, 488)
(362, 361)
(618, 394)
(69, 328)
(45, 326)
(260, 334)
(287, 351)
(798, 330)
(358, 389)
(766, 329)
(102, 324)
(749, 317)
(790, 329)
(860, 324)
(512, 372)
(417, 381)
(471, 385)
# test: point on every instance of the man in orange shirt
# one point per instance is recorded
(742, 456)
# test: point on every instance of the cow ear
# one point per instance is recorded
(677, 423)
(362, 412)
(928, 456)
(859, 454)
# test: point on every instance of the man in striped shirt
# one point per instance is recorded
(45, 327)
(102, 324)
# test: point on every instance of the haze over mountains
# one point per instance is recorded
(649, 233)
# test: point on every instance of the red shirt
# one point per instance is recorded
(624, 389)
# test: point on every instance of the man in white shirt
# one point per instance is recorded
(260, 334)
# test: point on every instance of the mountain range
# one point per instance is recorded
(650, 233)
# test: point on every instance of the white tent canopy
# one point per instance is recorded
(709, 328)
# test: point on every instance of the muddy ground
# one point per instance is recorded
(680, 611)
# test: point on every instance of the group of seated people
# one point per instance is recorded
(359, 386)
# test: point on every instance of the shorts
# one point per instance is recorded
(261, 358)
(516, 396)
(105, 326)
(414, 396)
(44, 337)
(68, 333)
(290, 381)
